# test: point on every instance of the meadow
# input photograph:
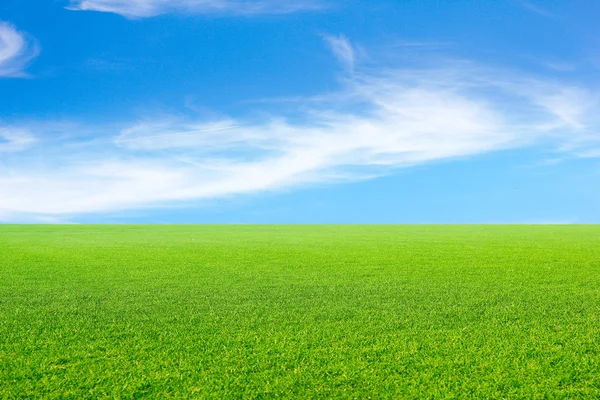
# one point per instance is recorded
(299, 312)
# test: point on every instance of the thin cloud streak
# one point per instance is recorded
(15, 139)
(152, 8)
(535, 9)
(15, 51)
(343, 50)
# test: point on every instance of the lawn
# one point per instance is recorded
(300, 311)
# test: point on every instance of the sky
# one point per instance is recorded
(303, 111)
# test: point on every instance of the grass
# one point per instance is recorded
(300, 311)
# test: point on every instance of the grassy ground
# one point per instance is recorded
(300, 311)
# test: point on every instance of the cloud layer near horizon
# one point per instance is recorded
(15, 51)
(378, 121)
(150, 8)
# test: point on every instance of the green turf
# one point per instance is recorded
(300, 311)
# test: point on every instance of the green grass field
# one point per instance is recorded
(300, 311)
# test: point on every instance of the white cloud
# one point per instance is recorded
(343, 50)
(150, 8)
(379, 121)
(536, 9)
(172, 134)
(560, 66)
(13, 140)
(15, 51)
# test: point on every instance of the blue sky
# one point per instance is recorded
(304, 111)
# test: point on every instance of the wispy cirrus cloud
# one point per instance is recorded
(15, 139)
(151, 8)
(16, 51)
(343, 50)
(534, 8)
(378, 121)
